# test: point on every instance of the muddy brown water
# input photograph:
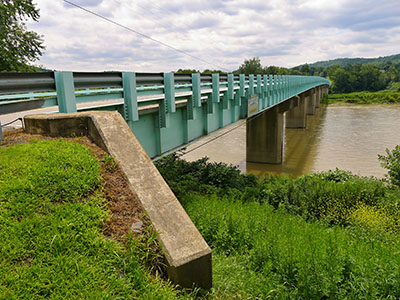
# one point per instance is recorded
(348, 137)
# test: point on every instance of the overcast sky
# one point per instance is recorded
(222, 32)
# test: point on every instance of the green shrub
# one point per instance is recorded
(392, 162)
(202, 176)
(326, 196)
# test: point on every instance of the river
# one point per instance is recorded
(348, 137)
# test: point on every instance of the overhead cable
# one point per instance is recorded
(144, 35)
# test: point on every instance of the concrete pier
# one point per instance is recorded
(264, 137)
(297, 117)
(311, 102)
(318, 97)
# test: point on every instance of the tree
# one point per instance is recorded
(250, 66)
(18, 46)
(341, 79)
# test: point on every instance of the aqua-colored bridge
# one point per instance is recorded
(167, 111)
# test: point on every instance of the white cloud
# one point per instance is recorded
(224, 32)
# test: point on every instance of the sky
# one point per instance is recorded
(217, 34)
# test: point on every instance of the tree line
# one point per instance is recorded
(345, 79)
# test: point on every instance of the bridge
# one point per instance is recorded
(166, 111)
(159, 113)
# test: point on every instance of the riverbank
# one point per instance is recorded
(363, 98)
(325, 235)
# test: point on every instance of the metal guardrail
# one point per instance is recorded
(147, 93)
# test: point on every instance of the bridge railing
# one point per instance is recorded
(219, 99)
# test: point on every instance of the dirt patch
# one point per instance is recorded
(123, 204)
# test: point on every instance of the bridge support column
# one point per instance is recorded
(311, 102)
(325, 90)
(297, 117)
(264, 137)
(318, 97)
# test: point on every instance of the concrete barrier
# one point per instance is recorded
(187, 254)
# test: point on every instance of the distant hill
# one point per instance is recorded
(344, 61)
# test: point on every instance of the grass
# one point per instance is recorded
(52, 209)
(363, 98)
(278, 238)
(260, 252)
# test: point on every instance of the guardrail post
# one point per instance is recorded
(196, 89)
(130, 96)
(167, 105)
(65, 92)
(251, 84)
(230, 87)
(242, 85)
(265, 91)
(280, 90)
(272, 90)
(259, 93)
(215, 88)
(169, 91)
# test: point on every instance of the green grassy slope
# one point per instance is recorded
(51, 212)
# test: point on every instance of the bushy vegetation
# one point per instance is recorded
(363, 98)
(51, 212)
(332, 197)
(202, 176)
(391, 162)
(329, 235)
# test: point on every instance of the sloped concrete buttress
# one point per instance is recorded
(187, 254)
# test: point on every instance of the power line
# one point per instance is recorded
(143, 35)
